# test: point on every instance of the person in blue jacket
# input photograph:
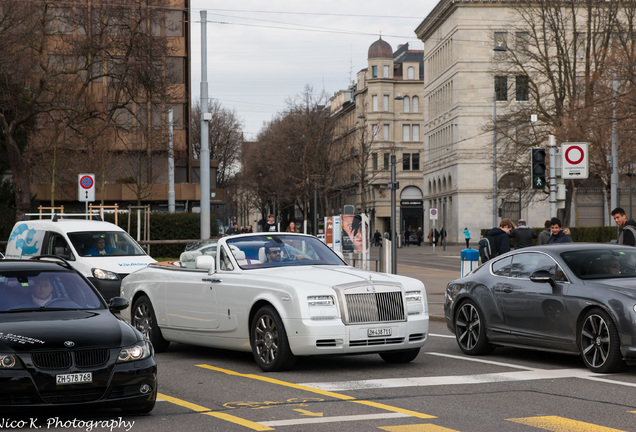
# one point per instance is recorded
(101, 248)
(558, 236)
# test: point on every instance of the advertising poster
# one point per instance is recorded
(353, 234)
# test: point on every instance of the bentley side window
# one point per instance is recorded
(502, 267)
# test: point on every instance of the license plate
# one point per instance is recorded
(375, 332)
(76, 378)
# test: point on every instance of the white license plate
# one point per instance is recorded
(76, 378)
(375, 332)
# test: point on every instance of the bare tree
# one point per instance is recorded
(56, 57)
(562, 56)
(224, 139)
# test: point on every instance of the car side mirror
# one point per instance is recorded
(117, 304)
(542, 276)
(205, 262)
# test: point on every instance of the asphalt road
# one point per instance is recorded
(442, 390)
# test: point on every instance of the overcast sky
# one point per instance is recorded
(261, 54)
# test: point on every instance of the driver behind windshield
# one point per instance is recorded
(273, 252)
(101, 248)
(42, 292)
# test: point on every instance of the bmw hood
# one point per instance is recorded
(26, 331)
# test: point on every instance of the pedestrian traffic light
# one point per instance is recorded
(538, 168)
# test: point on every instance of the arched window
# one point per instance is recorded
(415, 103)
(406, 104)
(410, 73)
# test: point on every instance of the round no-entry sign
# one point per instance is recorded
(574, 161)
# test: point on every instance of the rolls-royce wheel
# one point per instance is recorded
(599, 343)
(470, 330)
(403, 356)
(268, 338)
(144, 320)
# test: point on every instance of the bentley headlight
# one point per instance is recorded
(320, 301)
(104, 274)
(635, 308)
(136, 352)
(9, 361)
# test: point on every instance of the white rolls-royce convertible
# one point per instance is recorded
(279, 295)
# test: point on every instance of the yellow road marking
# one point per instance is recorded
(394, 409)
(278, 382)
(559, 424)
(208, 411)
(426, 427)
(318, 391)
(308, 413)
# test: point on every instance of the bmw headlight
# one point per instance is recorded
(9, 361)
(104, 274)
(139, 351)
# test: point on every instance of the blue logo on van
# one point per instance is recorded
(24, 243)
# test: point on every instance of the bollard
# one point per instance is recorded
(470, 260)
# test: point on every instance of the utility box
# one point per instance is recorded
(470, 260)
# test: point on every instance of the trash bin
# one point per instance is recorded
(470, 260)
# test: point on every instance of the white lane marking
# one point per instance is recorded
(314, 420)
(481, 360)
(527, 374)
(442, 336)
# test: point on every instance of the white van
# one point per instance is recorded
(101, 251)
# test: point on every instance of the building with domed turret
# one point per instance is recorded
(377, 117)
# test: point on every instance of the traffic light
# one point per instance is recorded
(538, 168)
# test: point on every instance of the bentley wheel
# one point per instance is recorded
(268, 338)
(144, 320)
(599, 343)
(470, 330)
(403, 356)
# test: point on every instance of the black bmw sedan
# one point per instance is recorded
(61, 345)
(571, 298)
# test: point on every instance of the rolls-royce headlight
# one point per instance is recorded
(136, 352)
(320, 301)
(104, 274)
(413, 296)
(9, 361)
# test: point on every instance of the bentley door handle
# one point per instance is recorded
(507, 290)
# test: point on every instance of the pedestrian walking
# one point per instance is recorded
(501, 236)
(420, 235)
(467, 237)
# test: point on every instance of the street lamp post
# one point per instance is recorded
(499, 48)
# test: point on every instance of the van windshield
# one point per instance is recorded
(92, 243)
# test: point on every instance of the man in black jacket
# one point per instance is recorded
(501, 236)
(523, 235)
(627, 235)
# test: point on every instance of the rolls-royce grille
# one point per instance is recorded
(375, 307)
(63, 359)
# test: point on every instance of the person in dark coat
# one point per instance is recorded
(420, 236)
(627, 236)
(544, 236)
(523, 235)
(501, 236)
(558, 236)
